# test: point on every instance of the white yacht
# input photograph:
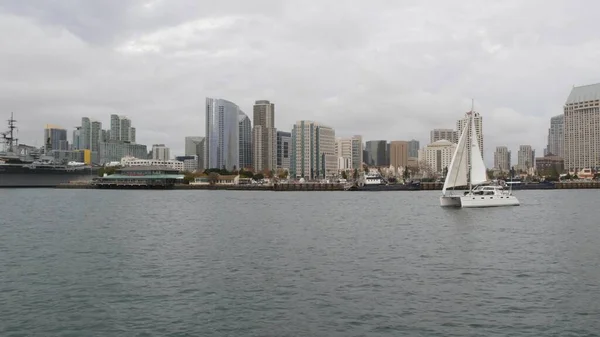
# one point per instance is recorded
(460, 175)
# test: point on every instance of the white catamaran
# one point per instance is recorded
(460, 174)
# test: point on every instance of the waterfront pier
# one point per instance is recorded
(163, 178)
(140, 177)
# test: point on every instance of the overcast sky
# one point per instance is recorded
(385, 69)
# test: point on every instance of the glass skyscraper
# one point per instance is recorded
(55, 138)
(284, 147)
(222, 134)
(245, 144)
(376, 150)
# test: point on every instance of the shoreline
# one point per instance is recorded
(311, 187)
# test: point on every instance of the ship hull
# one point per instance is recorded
(390, 187)
(36, 178)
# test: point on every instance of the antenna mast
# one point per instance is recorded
(9, 136)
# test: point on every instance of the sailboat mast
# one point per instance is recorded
(470, 134)
(468, 152)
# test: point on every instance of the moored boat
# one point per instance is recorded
(22, 167)
(372, 181)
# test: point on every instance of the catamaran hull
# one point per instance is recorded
(473, 201)
(450, 201)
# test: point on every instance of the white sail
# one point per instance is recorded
(457, 172)
(478, 171)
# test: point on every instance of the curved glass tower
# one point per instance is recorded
(222, 134)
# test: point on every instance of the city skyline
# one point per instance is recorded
(583, 104)
(246, 151)
(153, 60)
(121, 125)
(179, 144)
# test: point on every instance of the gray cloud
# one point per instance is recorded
(383, 69)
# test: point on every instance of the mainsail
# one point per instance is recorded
(457, 172)
(478, 171)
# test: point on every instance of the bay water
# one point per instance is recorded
(226, 263)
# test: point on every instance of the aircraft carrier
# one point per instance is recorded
(24, 166)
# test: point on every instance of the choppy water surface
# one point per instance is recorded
(218, 263)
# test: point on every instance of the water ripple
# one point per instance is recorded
(217, 263)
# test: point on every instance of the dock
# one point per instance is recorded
(306, 187)
(563, 185)
(245, 187)
(577, 185)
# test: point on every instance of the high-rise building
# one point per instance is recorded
(376, 152)
(264, 136)
(200, 147)
(114, 151)
(443, 134)
(438, 155)
(526, 158)
(326, 152)
(461, 124)
(556, 137)
(85, 134)
(76, 144)
(398, 154)
(132, 135)
(55, 138)
(194, 146)
(191, 145)
(502, 159)
(351, 150)
(582, 128)
(304, 144)
(387, 154)
(125, 129)
(104, 135)
(160, 152)
(343, 147)
(90, 137)
(115, 127)
(120, 129)
(284, 149)
(357, 153)
(413, 148)
(245, 143)
(95, 135)
(343, 151)
(222, 148)
(313, 151)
